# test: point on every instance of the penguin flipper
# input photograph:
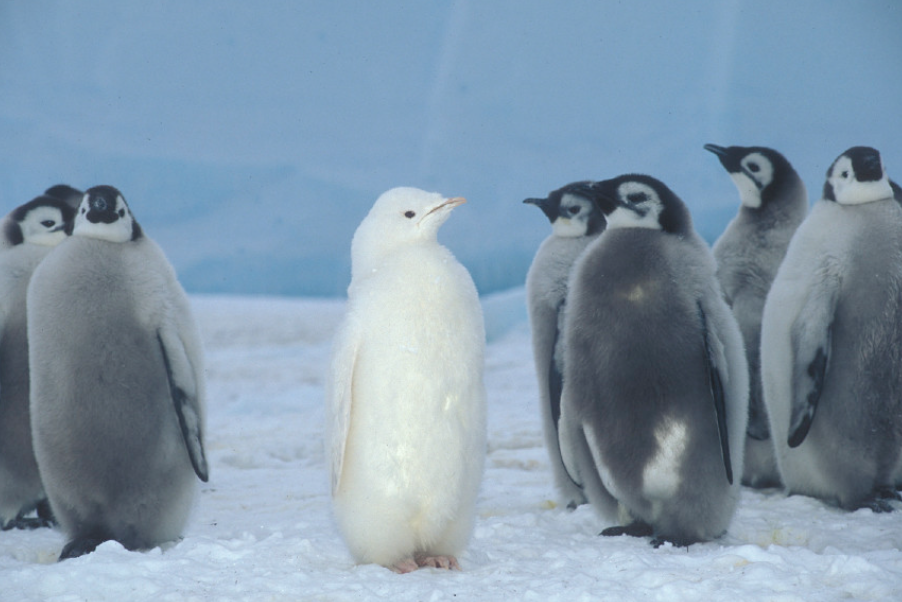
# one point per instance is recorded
(717, 373)
(570, 438)
(811, 340)
(184, 391)
(339, 397)
(555, 378)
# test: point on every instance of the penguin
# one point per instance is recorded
(655, 400)
(575, 222)
(66, 193)
(28, 233)
(117, 383)
(831, 340)
(406, 402)
(773, 202)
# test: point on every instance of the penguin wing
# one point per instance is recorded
(570, 438)
(184, 388)
(340, 396)
(810, 337)
(555, 377)
(716, 366)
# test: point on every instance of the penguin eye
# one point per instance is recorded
(572, 210)
(753, 167)
(844, 174)
(122, 213)
(636, 197)
(410, 214)
(48, 223)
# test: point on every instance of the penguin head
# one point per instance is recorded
(757, 171)
(570, 211)
(856, 177)
(43, 220)
(64, 192)
(401, 216)
(103, 214)
(640, 201)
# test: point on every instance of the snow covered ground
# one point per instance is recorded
(262, 529)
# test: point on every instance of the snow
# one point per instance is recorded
(262, 528)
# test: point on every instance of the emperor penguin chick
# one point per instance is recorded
(28, 233)
(117, 383)
(575, 222)
(773, 202)
(831, 340)
(406, 401)
(655, 400)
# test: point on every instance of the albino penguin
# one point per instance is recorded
(831, 342)
(655, 401)
(28, 233)
(117, 383)
(575, 222)
(773, 202)
(406, 401)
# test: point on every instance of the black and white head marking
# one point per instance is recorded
(43, 220)
(104, 214)
(571, 211)
(67, 193)
(856, 177)
(640, 201)
(755, 170)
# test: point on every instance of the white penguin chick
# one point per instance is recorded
(575, 222)
(773, 202)
(655, 401)
(117, 383)
(406, 399)
(28, 233)
(831, 340)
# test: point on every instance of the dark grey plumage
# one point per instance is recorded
(575, 222)
(117, 386)
(831, 345)
(654, 407)
(773, 202)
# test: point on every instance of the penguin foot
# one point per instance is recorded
(635, 529)
(888, 493)
(574, 504)
(27, 524)
(438, 562)
(80, 547)
(677, 542)
(408, 565)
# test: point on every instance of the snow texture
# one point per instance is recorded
(263, 530)
(251, 138)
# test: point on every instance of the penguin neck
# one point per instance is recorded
(780, 204)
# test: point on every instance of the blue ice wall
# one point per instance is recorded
(251, 138)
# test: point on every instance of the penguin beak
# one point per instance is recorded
(717, 150)
(447, 204)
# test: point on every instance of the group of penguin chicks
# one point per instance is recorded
(670, 372)
(101, 376)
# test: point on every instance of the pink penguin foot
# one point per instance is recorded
(438, 562)
(408, 565)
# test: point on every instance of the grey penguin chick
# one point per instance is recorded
(773, 202)
(575, 222)
(655, 400)
(28, 232)
(406, 404)
(117, 383)
(831, 340)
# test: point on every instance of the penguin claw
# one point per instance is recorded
(80, 547)
(677, 542)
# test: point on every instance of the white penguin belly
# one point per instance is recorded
(661, 476)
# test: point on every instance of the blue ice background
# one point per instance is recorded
(251, 138)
